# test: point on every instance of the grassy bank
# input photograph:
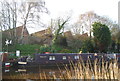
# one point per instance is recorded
(26, 50)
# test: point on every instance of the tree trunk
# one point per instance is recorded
(24, 25)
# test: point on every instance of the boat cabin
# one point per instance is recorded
(57, 58)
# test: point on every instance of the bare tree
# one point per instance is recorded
(86, 20)
(77, 28)
(8, 14)
(30, 12)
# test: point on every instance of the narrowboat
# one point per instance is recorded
(58, 59)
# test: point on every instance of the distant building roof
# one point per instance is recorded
(68, 34)
(42, 33)
(83, 36)
(18, 31)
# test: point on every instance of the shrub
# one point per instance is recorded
(61, 41)
(65, 51)
(45, 48)
(88, 46)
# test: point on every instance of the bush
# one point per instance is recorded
(65, 51)
(51, 49)
(12, 57)
(61, 41)
(88, 46)
(44, 49)
(56, 48)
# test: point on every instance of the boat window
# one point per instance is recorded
(64, 58)
(51, 57)
(43, 56)
(76, 57)
(89, 56)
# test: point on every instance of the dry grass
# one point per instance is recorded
(95, 70)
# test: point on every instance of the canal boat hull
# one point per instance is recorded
(60, 59)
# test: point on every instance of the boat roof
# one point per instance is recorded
(65, 53)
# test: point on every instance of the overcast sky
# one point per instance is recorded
(62, 8)
(101, 7)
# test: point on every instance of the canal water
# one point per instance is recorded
(32, 72)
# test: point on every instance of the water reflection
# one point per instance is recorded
(9, 73)
(7, 70)
(21, 70)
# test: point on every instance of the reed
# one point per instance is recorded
(80, 70)
(90, 70)
(96, 70)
